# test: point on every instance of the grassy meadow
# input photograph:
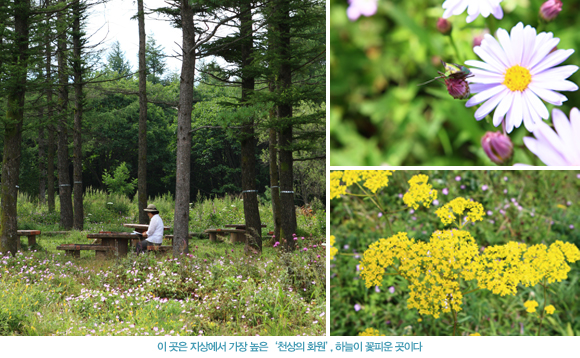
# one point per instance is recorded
(214, 290)
(522, 207)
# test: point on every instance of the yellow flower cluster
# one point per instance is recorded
(531, 306)
(436, 268)
(550, 309)
(457, 206)
(370, 332)
(420, 192)
(382, 254)
(502, 267)
(333, 250)
(433, 269)
(374, 180)
(336, 189)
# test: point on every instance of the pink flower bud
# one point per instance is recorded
(550, 9)
(458, 88)
(497, 146)
(444, 26)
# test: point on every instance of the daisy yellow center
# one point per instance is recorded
(517, 78)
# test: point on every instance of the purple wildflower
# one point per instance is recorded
(361, 7)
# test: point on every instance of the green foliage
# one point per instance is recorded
(119, 182)
(530, 207)
(116, 60)
(378, 114)
(154, 60)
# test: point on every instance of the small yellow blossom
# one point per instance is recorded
(457, 206)
(333, 250)
(370, 332)
(374, 180)
(420, 192)
(531, 306)
(550, 309)
(336, 189)
(476, 334)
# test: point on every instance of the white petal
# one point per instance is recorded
(517, 42)
(541, 52)
(484, 96)
(528, 46)
(538, 106)
(564, 129)
(557, 85)
(553, 59)
(502, 108)
(489, 59)
(482, 65)
(480, 87)
(514, 116)
(506, 44)
(553, 148)
(488, 106)
(547, 154)
(497, 12)
(547, 95)
(493, 47)
(530, 116)
(556, 73)
(575, 124)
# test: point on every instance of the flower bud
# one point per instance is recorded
(497, 146)
(550, 9)
(458, 88)
(444, 26)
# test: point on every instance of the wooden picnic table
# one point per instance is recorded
(117, 241)
(110, 243)
(142, 227)
(240, 226)
(31, 237)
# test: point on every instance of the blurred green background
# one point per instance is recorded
(378, 114)
(524, 206)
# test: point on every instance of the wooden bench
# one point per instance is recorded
(31, 237)
(236, 235)
(74, 250)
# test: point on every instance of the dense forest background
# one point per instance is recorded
(245, 115)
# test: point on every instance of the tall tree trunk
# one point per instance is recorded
(142, 170)
(273, 138)
(275, 183)
(248, 139)
(49, 126)
(50, 160)
(41, 160)
(78, 115)
(285, 116)
(13, 128)
(64, 192)
(182, 174)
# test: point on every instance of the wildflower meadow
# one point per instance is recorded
(215, 289)
(454, 252)
(454, 82)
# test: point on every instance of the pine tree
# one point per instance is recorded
(116, 60)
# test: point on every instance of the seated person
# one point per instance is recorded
(153, 236)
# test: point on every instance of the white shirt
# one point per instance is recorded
(155, 232)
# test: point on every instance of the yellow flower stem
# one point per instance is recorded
(543, 308)
(377, 204)
(454, 314)
(470, 291)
